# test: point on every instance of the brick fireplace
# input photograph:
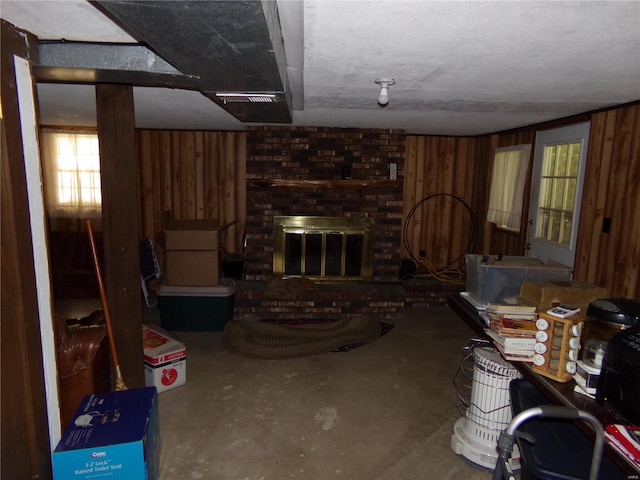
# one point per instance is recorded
(317, 171)
(301, 171)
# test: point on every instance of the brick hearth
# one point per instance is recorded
(333, 301)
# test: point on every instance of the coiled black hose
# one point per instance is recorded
(443, 272)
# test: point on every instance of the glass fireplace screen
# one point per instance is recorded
(323, 248)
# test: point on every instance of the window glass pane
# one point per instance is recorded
(570, 196)
(542, 223)
(67, 191)
(545, 198)
(549, 161)
(565, 236)
(89, 187)
(86, 179)
(72, 171)
(574, 160)
(561, 160)
(67, 161)
(87, 145)
(558, 192)
(554, 226)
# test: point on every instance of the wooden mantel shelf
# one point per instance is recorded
(344, 184)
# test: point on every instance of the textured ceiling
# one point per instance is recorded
(461, 68)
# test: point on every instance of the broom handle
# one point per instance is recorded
(105, 308)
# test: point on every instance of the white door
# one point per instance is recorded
(556, 191)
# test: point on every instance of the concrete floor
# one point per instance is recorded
(381, 411)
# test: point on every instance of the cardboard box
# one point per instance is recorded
(165, 359)
(191, 235)
(192, 268)
(191, 252)
(546, 295)
(196, 308)
(114, 436)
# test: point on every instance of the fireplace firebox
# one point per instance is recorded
(323, 248)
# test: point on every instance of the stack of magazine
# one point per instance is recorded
(626, 440)
(513, 330)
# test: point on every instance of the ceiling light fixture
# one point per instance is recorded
(384, 83)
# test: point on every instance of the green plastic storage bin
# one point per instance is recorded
(196, 309)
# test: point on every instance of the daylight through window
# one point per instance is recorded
(510, 167)
(71, 166)
(558, 192)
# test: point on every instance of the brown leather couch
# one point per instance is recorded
(82, 350)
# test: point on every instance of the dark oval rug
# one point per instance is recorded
(279, 339)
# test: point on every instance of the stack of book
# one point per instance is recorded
(625, 439)
(513, 330)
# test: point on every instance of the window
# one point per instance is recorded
(71, 168)
(558, 192)
(510, 165)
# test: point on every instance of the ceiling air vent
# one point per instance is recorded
(232, 97)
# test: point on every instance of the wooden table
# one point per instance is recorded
(557, 392)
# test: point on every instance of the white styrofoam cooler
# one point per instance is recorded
(165, 359)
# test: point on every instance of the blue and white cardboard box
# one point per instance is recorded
(113, 436)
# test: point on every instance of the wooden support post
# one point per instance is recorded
(120, 223)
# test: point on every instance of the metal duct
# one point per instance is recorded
(90, 63)
(233, 47)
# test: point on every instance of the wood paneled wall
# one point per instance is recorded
(608, 251)
(442, 176)
(202, 175)
(193, 175)
(431, 165)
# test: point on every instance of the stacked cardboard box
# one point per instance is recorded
(191, 253)
(192, 297)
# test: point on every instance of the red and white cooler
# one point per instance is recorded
(165, 359)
